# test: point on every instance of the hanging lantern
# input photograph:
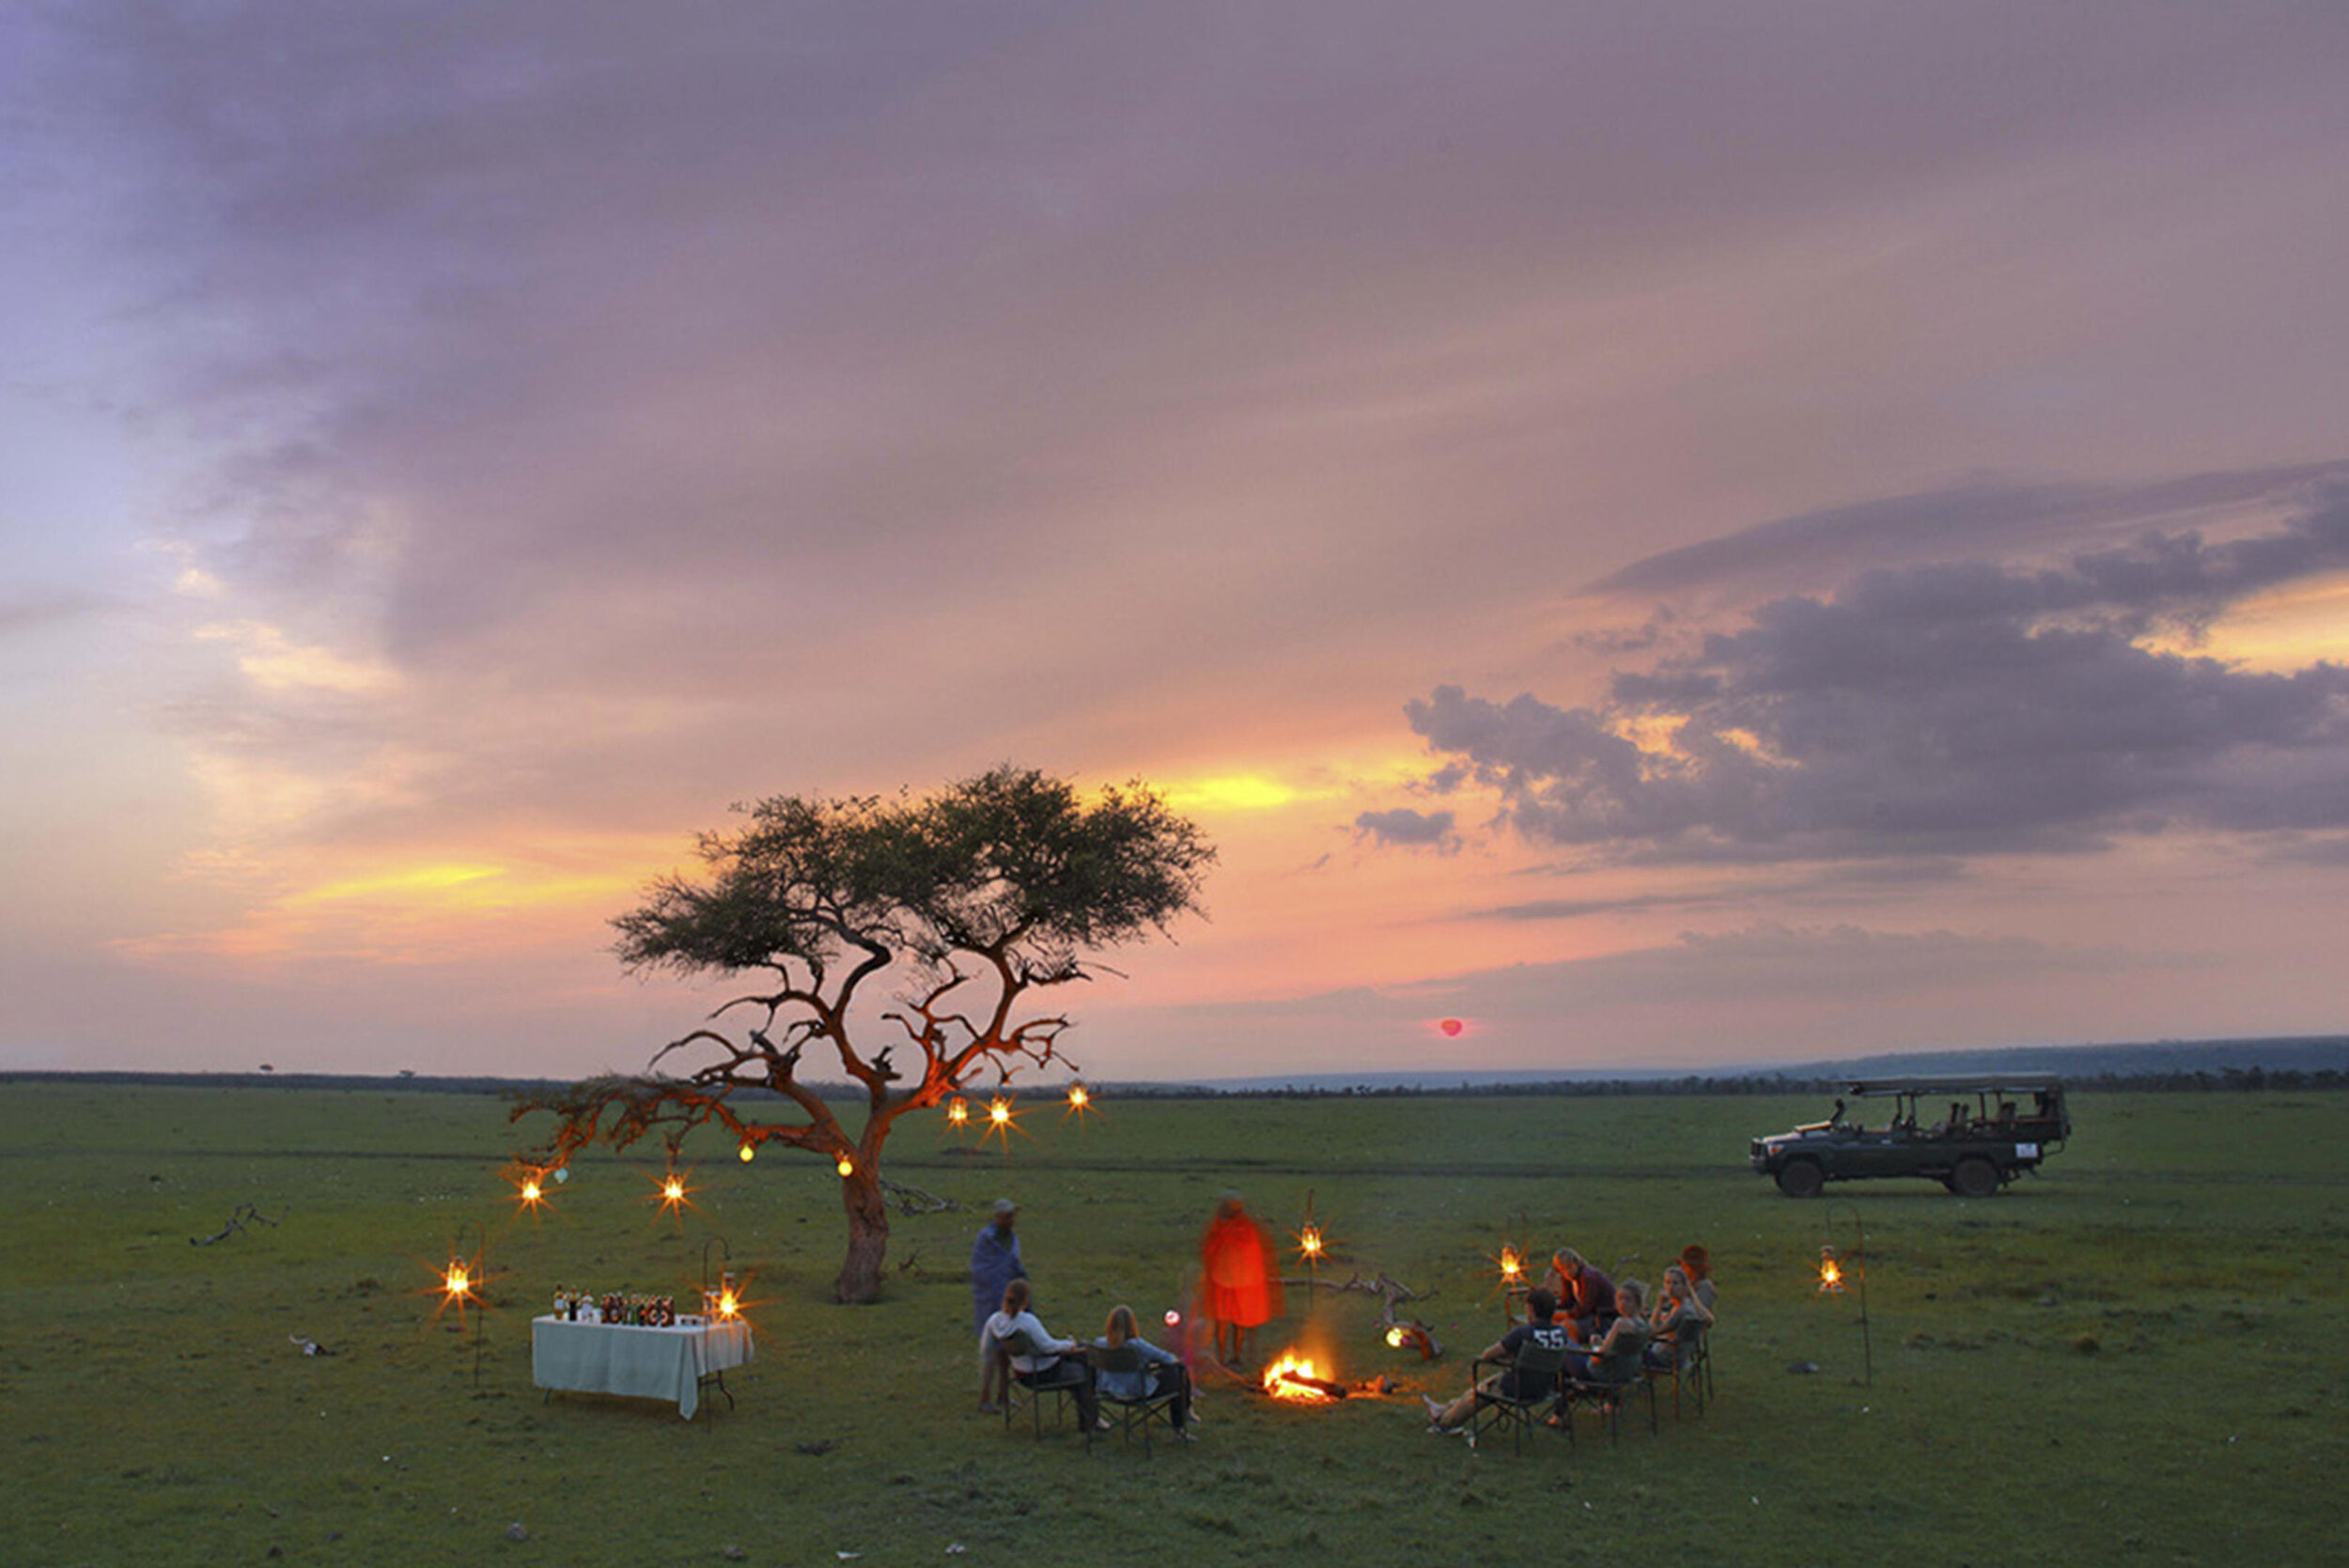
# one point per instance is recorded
(747, 1153)
(1830, 1272)
(846, 1166)
(958, 1112)
(530, 1185)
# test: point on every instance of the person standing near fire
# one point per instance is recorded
(1239, 1288)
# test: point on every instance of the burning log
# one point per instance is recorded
(1293, 1376)
(1321, 1386)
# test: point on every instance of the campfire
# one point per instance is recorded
(1294, 1376)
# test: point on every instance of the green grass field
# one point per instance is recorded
(2136, 1356)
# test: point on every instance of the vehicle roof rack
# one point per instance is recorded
(1956, 1083)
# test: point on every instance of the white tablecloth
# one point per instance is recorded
(649, 1364)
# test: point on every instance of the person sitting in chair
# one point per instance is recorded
(1166, 1373)
(1045, 1363)
(1542, 1308)
(1678, 1319)
(1585, 1297)
(1614, 1356)
(1698, 1264)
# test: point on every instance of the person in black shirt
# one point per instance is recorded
(1542, 1308)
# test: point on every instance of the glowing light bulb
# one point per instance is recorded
(1396, 1338)
(846, 1166)
(746, 1154)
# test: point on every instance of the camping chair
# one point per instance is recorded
(1692, 1367)
(1606, 1397)
(1127, 1415)
(1029, 1388)
(1536, 1366)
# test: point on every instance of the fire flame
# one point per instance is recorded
(1279, 1386)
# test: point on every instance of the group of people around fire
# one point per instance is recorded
(1606, 1334)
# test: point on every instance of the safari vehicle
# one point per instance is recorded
(1991, 1129)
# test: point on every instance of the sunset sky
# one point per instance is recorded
(1678, 534)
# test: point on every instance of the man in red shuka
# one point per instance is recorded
(1238, 1281)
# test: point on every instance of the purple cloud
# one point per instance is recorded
(1953, 710)
(1406, 828)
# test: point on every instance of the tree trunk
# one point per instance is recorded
(868, 1237)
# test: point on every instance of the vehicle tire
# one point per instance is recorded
(1974, 1178)
(1800, 1178)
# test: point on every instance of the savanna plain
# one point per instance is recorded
(2135, 1357)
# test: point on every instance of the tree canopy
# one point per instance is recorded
(996, 886)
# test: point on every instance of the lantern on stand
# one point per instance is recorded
(1847, 1267)
(1313, 1243)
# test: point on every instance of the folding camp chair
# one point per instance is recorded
(1519, 1394)
(1060, 1380)
(1130, 1415)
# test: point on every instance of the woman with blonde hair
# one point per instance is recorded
(1679, 1320)
(1164, 1372)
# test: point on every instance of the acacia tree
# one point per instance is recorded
(995, 888)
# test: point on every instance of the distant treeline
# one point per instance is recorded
(2254, 1079)
(2172, 1081)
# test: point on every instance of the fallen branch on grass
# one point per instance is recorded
(1392, 1293)
(236, 1219)
(914, 1200)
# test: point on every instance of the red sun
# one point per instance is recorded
(1452, 1026)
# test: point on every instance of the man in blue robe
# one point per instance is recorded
(994, 1264)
